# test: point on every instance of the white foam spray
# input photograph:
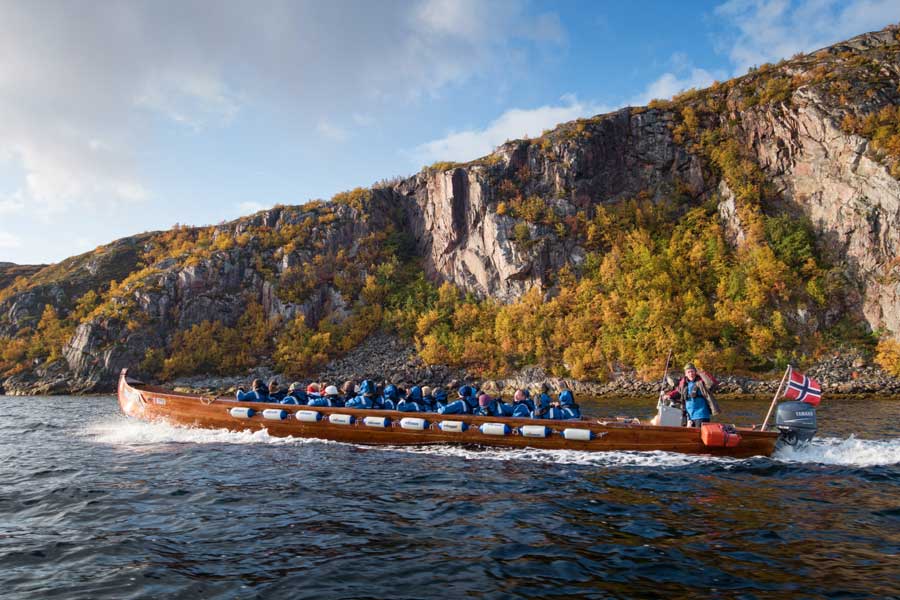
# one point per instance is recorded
(852, 452)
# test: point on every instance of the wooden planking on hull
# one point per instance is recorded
(152, 403)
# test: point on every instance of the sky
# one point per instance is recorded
(130, 116)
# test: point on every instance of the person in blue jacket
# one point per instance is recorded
(427, 403)
(414, 402)
(440, 399)
(489, 407)
(570, 410)
(257, 393)
(695, 396)
(329, 398)
(366, 397)
(348, 391)
(390, 397)
(528, 401)
(295, 395)
(542, 406)
(504, 409)
(520, 407)
(313, 391)
(276, 394)
(471, 396)
(460, 406)
(554, 411)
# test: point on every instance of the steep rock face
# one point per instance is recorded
(453, 217)
(852, 200)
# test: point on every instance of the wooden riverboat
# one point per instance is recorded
(387, 427)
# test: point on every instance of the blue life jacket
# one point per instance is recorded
(494, 409)
(390, 398)
(322, 401)
(503, 409)
(570, 410)
(520, 409)
(696, 408)
(360, 401)
(470, 395)
(297, 397)
(457, 407)
(414, 402)
(260, 395)
(542, 409)
(554, 412)
(528, 401)
(440, 399)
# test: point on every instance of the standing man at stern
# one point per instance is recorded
(698, 401)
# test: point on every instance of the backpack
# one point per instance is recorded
(709, 380)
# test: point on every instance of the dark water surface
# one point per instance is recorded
(94, 505)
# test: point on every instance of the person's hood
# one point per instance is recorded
(415, 393)
(566, 398)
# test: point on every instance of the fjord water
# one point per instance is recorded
(96, 505)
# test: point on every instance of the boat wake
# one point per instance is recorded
(121, 431)
(850, 452)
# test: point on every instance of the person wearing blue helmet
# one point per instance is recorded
(390, 397)
(460, 406)
(570, 410)
(440, 399)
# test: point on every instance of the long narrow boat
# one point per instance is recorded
(388, 427)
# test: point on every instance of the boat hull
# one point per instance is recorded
(151, 403)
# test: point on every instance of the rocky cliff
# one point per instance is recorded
(785, 139)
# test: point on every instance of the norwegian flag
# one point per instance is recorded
(800, 387)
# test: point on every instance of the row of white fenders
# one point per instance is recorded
(413, 423)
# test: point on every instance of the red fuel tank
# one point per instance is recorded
(717, 435)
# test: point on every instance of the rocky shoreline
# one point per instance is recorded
(385, 357)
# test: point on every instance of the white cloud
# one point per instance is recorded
(246, 208)
(8, 240)
(769, 30)
(519, 123)
(512, 124)
(670, 84)
(82, 85)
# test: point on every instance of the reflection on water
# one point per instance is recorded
(97, 505)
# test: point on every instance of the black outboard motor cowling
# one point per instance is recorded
(797, 423)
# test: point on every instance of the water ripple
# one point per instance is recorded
(94, 505)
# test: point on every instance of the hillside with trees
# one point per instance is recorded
(746, 225)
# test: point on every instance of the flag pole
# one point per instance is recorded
(775, 399)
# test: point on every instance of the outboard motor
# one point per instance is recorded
(797, 423)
